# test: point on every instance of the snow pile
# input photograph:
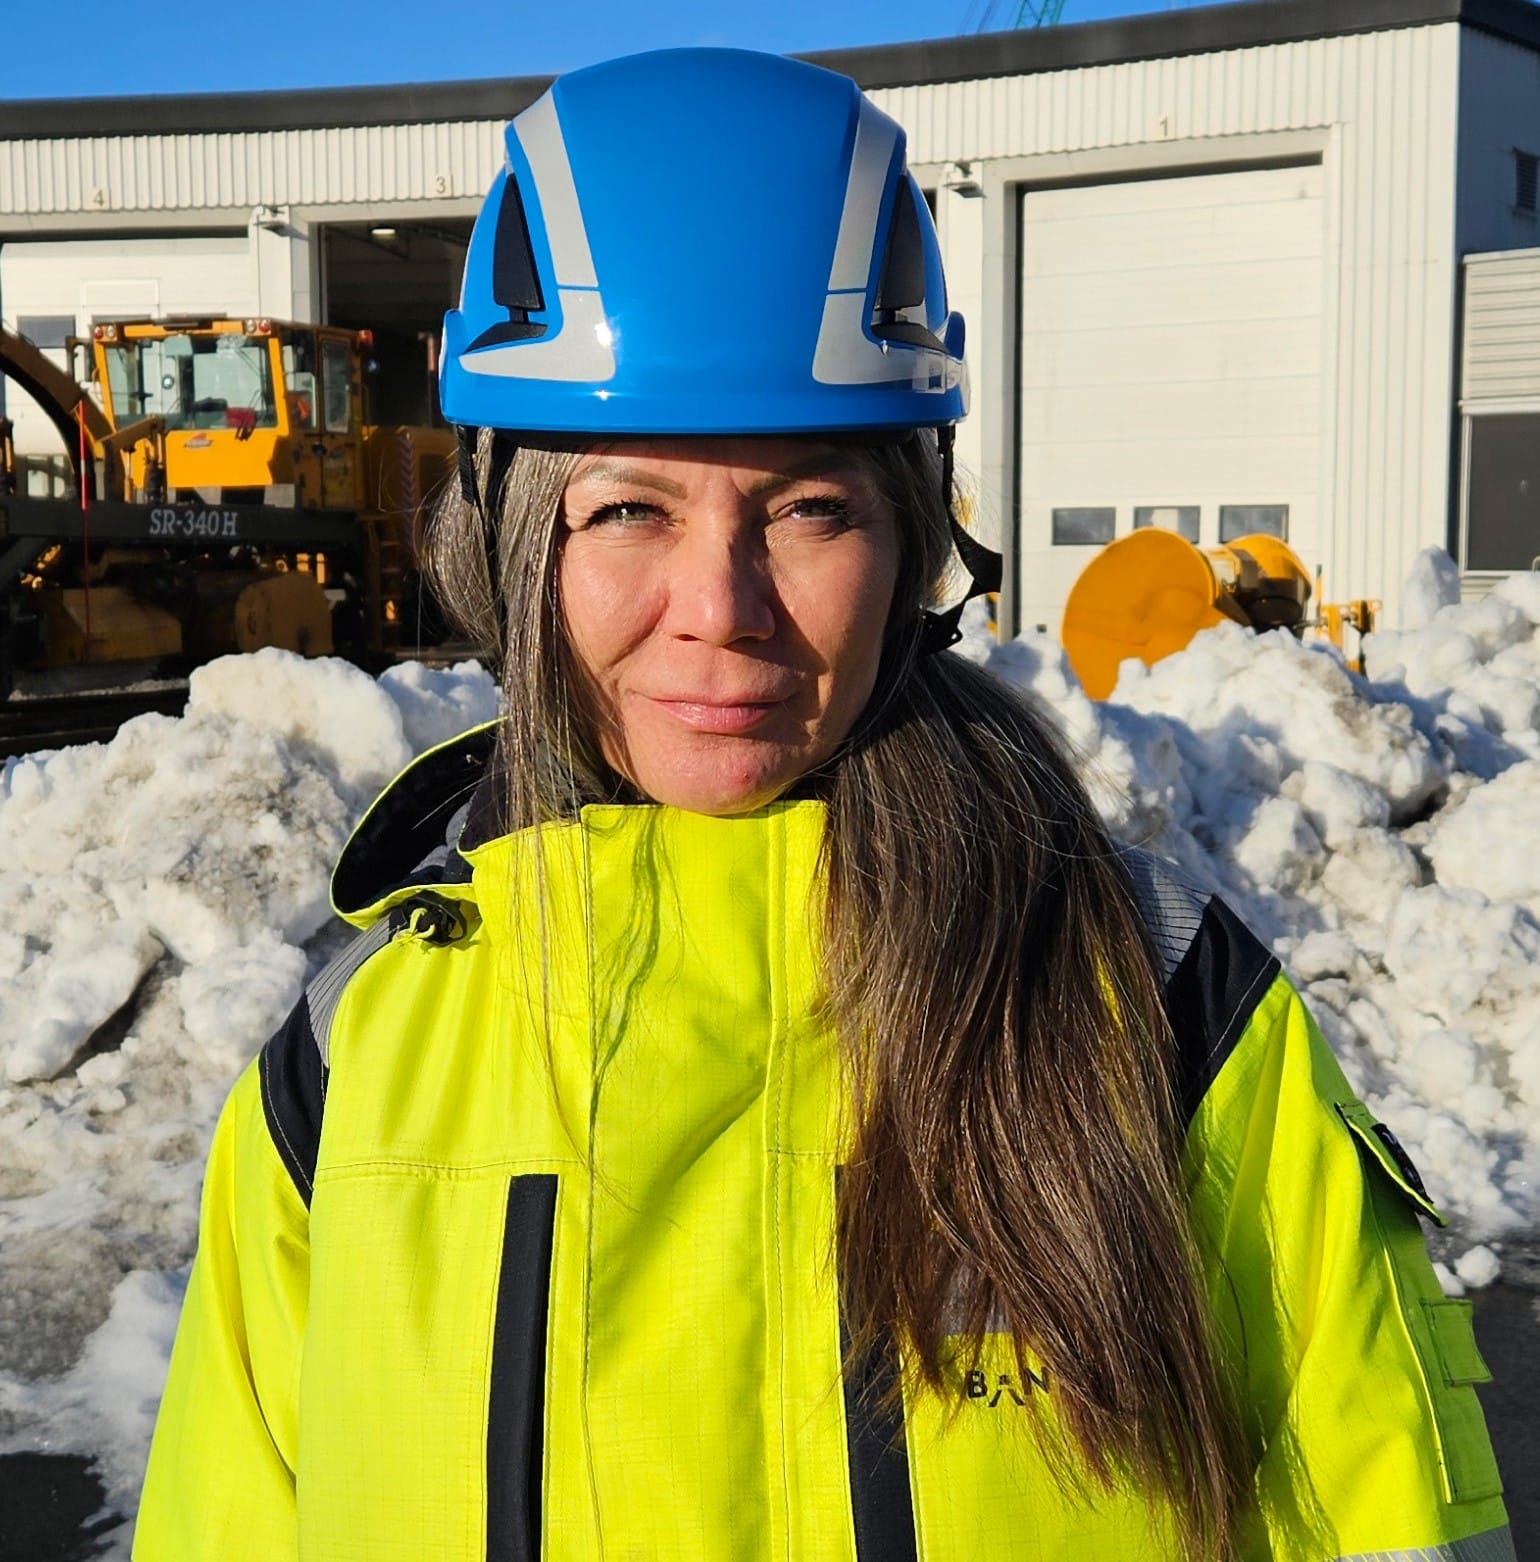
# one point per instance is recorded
(1381, 832)
(163, 898)
(1434, 584)
(208, 838)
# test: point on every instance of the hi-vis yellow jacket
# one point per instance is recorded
(564, 1289)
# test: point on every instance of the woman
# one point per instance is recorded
(780, 1124)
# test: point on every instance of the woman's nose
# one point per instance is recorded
(720, 589)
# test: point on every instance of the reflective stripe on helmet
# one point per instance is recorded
(580, 347)
(539, 133)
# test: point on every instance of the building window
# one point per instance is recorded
(1246, 520)
(1082, 527)
(46, 330)
(1526, 181)
(1179, 518)
(1503, 518)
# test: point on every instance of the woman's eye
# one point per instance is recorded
(830, 509)
(623, 514)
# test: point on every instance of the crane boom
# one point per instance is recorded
(1029, 13)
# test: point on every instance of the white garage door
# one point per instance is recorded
(1170, 366)
(45, 283)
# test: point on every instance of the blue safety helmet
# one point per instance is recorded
(703, 241)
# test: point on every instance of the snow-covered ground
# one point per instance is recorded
(163, 899)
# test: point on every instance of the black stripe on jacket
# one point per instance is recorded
(516, 1408)
(881, 1503)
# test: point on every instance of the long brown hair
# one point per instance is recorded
(1014, 1161)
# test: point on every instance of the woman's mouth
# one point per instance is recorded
(722, 717)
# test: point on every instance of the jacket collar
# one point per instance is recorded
(408, 839)
(443, 814)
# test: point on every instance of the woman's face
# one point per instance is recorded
(725, 600)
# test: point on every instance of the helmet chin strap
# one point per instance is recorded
(940, 630)
(470, 492)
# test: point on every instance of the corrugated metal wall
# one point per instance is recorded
(1502, 327)
(1387, 104)
(1231, 93)
(202, 173)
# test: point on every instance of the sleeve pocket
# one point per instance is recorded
(1470, 1469)
(1384, 1148)
(1454, 1337)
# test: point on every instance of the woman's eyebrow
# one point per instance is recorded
(620, 473)
(823, 463)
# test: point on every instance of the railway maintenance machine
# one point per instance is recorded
(226, 493)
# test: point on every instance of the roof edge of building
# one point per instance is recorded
(1206, 29)
(1124, 40)
(300, 108)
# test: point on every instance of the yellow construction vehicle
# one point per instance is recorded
(1146, 595)
(228, 494)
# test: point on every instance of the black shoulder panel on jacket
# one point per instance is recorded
(1221, 979)
(1216, 970)
(293, 1094)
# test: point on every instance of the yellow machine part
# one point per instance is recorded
(122, 628)
(406, 471)
(1146, 595)
(287, 609)
(1267, 579)
(64, 402)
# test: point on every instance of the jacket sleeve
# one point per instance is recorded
(220, 1482)
(1357, 1372)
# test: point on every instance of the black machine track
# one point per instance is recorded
(28, 726)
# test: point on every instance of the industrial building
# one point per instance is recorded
(1251, 267)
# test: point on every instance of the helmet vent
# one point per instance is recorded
(901, 285)
(515, 282)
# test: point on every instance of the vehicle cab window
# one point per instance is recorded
(299, 379)
(337, 385)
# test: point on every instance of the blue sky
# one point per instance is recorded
(96, 47)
